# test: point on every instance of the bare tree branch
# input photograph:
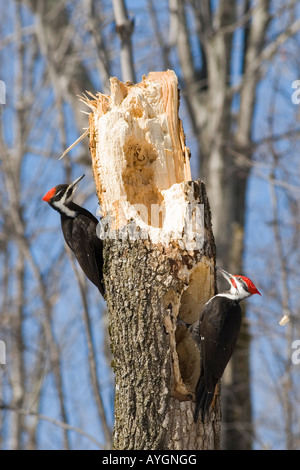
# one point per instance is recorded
(60, 424)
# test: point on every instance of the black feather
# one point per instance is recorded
(80, 234)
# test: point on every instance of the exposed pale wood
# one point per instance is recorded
(138, 134)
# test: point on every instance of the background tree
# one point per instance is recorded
(236, 62)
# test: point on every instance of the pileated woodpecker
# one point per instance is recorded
(216, 333)
(79, 229)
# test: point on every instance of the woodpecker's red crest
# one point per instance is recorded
(49, 195)
(251, 287)
(241, 286)
(61, 196)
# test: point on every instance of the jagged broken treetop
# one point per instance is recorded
(137, 141)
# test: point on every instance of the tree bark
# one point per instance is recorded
(159, 260)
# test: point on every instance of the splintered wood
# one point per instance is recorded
(140, 147)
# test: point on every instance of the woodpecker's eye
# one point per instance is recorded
(60, 192)
(244, 284)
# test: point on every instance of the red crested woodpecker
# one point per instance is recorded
(79, 228)
(216, 333)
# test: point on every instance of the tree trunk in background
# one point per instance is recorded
(124, 28)
(68, 77)
(159, 259)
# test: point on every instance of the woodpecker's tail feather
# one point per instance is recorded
(203, 399)
(101, 288)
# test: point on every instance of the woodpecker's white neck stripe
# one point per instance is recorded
(228, 295)
(63, 208)
(236, 295)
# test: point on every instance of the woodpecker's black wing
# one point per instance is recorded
(81, 236)
(219, 327)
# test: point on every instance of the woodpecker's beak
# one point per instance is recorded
(225, 274)
(72, 185)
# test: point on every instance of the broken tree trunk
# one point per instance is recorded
(159, 260)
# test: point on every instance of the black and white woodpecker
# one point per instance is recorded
(79, 227)
(216, 333)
